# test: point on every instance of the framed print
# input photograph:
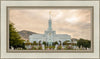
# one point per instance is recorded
(42, 29)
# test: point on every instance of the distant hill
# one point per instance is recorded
(25, 34)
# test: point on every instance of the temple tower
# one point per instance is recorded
(50, 22)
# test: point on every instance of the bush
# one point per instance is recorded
(68, 48)
(40, 48)
(33, 48)
(59, 47)
(34, 43)
(50, 47)
(54, 43)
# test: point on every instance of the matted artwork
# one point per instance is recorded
(50, 28)
(67, 29)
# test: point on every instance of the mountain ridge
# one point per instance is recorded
(25, 34)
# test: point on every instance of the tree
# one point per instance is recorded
(65, 42)
(60, 42)
(54, 43)
(39, 42)
(87, 44)
(84, 43)
(80, 42)
(34, 43)
(44, 43)
(14, 38)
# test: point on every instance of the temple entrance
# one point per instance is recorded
(49, 42)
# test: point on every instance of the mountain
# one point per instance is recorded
(25, 34)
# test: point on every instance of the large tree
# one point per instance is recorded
(14, 38)
(87, 44)
(84, 43)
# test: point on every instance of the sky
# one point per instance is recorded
(74, 22)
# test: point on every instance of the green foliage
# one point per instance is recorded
(39, 42)
(80, 43)
(73, 44)
(68, 48)
(84, 43)
(65, 42)
(40, 48)
(59, 47)
(34, 43)
(54, 43)
(87, 44)
(33, 48)
(51, 47)
(44, 43)
(27, 43)
(14, 38)
(60, 42)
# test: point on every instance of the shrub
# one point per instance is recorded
(33, 48)
(40, 48)
(59, 47)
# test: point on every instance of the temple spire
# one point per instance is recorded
(49, 14)
(49, 22)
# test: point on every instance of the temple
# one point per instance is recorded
(50, 35)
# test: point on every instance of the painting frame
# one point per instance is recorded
(50, 51)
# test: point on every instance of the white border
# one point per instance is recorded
(50, 3)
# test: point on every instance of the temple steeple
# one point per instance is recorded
(50, 22)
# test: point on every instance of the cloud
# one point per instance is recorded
(75, 22)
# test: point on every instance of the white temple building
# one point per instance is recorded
(49, 36)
